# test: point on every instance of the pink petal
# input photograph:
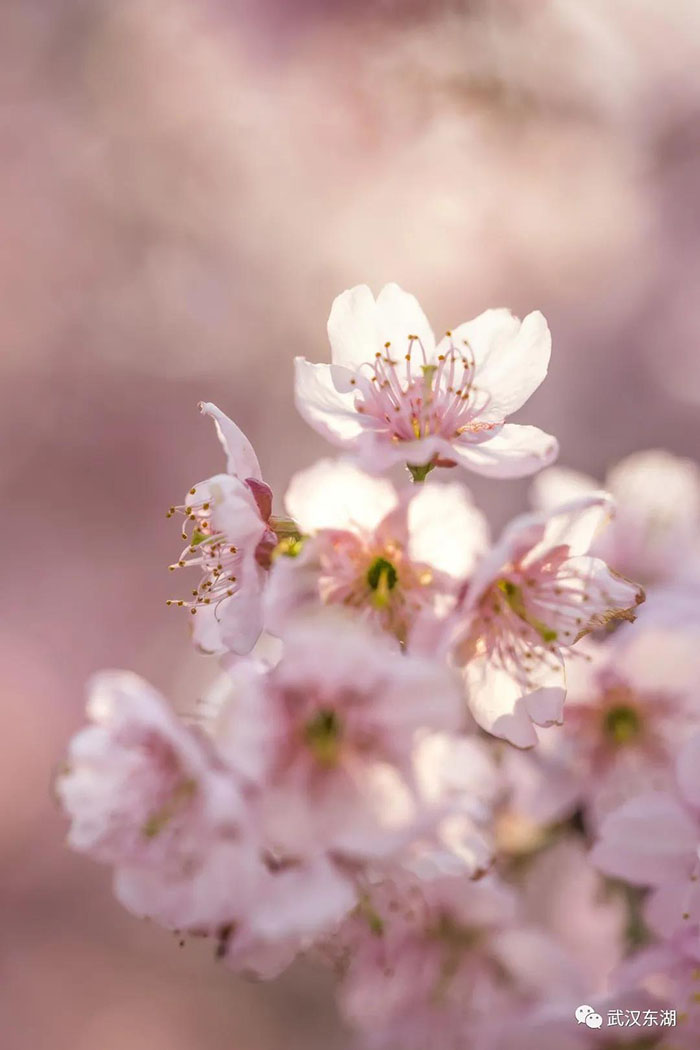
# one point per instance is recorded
(647, 841)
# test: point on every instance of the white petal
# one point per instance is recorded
(513, 452)
(322, 405)
(353, 327)
(558, 485)
(576, 524)
(545, 705)
(401, 316)
(445, 529)
(241, 615)
(511, 357)
(240, 456)
(497, 703)
(335, 494)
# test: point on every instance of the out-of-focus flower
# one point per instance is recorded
(138, 784)
(147, 794)
(533, 596)
(391, 556)
(655, 536)
(668, 975)
(392, 395)
(654, 840)
(339, 716)
(630, 703)
(229, 539)
(447, 956)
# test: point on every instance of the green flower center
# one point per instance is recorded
(323, 733)
(622, 723)
(382, 573)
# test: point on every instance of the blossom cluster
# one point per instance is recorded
(441, 764)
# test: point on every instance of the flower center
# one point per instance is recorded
(622, 723)
(322, 734)
(515, 599)
(382, 577)
(413, 401)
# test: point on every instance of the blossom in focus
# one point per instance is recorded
(229, 536)
(655, 536)
(337, 721)
(392, 556)
(392, 395)
(654, 840)
(529, 599)
(629, 705)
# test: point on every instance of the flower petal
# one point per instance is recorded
(647, 841)
(401, 316)
(353, 327)
(497, 703)
(240, 456)
(322, 405)
(511, 357)
(559, 485)
(513, 452)
(445, 529)
(335, 494)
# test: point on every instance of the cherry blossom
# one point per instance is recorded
(229, 536)
(629, 705)
(392, 395)
(444, 955)
(530, 598)
(336, 737)
(392, 556)
(148, 795)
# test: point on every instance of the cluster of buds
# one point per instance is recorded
(422, 739)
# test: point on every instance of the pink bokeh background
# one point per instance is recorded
(184, 189)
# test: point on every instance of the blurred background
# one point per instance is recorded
(184, 188)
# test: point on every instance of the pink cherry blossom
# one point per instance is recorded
(533, 596)
(629, 705)
(392, 556)
(654, 840)
(139, 785)
(656, 533)
(391, 395)
(444, 955)
(147, 794)
(229, 536)
(338, 717)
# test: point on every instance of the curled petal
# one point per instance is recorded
(240, 455)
